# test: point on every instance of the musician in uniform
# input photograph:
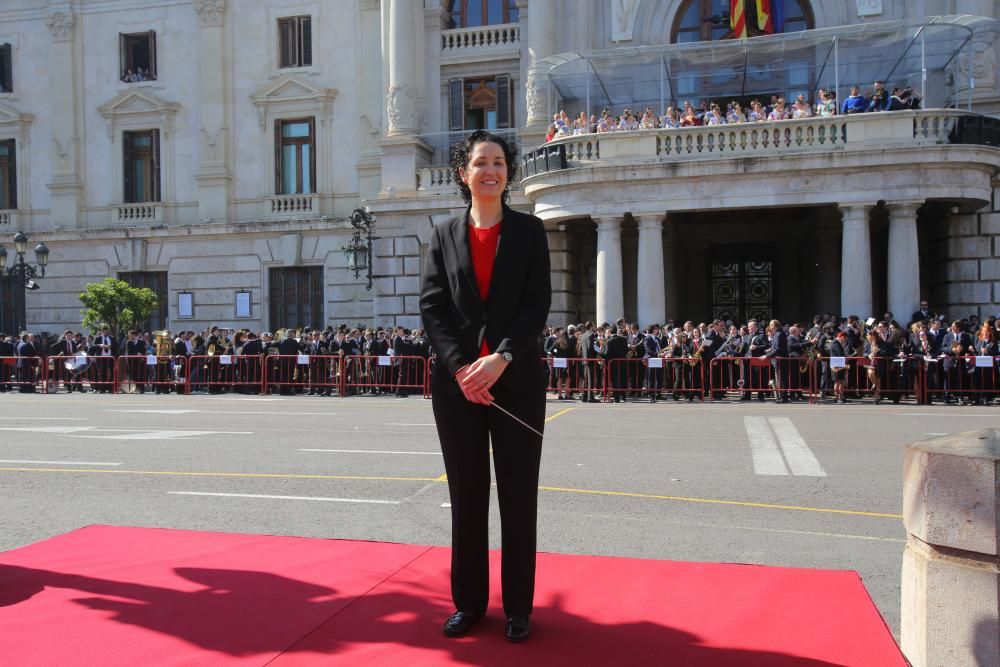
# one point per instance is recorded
(711, 344)
(106, 350)
(681, 350)
(636, 350)
(59, 352)
(653, 349)
(755, 375)
(588, 353)
(615, 353)
(839, 348)
(135, 350)
(7, 362)
(27, 364)
(954, 345)
(288, 349)
(319, 364)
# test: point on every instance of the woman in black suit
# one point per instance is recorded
(484, 300)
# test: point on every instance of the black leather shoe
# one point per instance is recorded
(460, 623)
(518, 628)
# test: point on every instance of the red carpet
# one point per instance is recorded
(130, 596)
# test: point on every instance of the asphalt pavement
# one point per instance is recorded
(790, 485)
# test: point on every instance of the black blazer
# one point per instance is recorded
(454, 316)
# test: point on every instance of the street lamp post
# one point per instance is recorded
(23, 275)
(359, 249)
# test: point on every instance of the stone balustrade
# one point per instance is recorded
(281, 206)
(145, 212)
(462, 40)
(440, 180)
(8, 218)
(889, 130)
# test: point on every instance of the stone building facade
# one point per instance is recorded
(255, 128)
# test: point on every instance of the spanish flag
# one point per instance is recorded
(764, 21)
(737, 19)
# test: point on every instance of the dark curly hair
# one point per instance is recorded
(461, 151)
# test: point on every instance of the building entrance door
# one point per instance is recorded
(742, 282)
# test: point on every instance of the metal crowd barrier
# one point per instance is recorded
(136, 373)
(568, 375)
(781, 376)
(897, 377)
(385, 374)
(969, 378)
(216, 373)
(24, 374)
(681, 377)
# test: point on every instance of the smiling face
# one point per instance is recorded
(486, 172)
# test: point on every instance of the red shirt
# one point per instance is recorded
(483, 244)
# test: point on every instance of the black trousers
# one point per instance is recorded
(466, 431)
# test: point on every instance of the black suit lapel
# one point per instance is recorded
(460, 235)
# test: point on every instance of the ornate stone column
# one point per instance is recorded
(672, 311)
(542, 29)
(904, 259)
(856, 262)
(562, 265)
(66, 187)
(213, 175)
(650, 286)
(402, 150)
(610, 294)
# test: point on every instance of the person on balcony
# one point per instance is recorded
(736, 114)
(757, 114)
(827, 105)
(855, 102)
(801, 109)
(880, 98)
(779, 112)
(714, 116)
(690, 119)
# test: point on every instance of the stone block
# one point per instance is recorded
(960, 270)
(969, 247)
(349, 311)
(989, 223)
(411, 266)
(996, 299)
(406, 246)
(385, 285)
(382, 247)
(389, 305)
(989, 269)
(963, 225)
(950, 487)
(560, 302)
(388, 266)
(562, 282)
(409, 321)
(560, 261)
(950, 576)
(411, 304)
(968, 293)
(558, 240)
(996, 246)
(407, 285)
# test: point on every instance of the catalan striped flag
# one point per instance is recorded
(737, 19)
(764, 16)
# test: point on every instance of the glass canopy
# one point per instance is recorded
(931, 54)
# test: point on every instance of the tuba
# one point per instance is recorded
(163, 345)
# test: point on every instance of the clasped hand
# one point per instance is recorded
(476, 379)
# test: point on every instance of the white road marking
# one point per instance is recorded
(146, 434)
(800, 458)
(68, 419)
(401, 424)
(158, 412)
(937, 434)
(767, 459)
(270, 497)
(48, 429)
(936, 414)
(64, 463)
(368, 451)
(445, 504)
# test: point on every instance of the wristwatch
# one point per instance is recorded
(507, 356)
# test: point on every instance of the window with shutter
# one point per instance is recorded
(295, 41)
(151, 37)
(6, 69)
(284, 43)
(127, 170)
(8, 175)
(456, 105)
(504, 118)
(138, 56)
(141, 166)
(154, 186)
(306, 32)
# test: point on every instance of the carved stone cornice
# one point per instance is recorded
(61, 25)
(212, 13)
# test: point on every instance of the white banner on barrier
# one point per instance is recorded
(385, 360)
(303, 360)
(226, 359)
(560, 362)
(655, 362)
(150, 360)
(984, 362)
(838, 362)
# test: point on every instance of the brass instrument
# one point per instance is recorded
(163, 345)
(696, 357)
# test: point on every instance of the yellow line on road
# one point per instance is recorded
(444, 478)
(716, 501)
(558, 414)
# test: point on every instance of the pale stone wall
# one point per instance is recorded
(971, 265)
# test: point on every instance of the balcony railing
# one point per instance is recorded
(436, 179)
(461, 40)
(8, 218)
(144, 212)
(281, 206)
(861, 131)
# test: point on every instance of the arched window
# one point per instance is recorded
(475, 13)
(708, 20)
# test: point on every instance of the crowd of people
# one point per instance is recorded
(339, 360)
(711, 113)
(929, 359)
(140, 74)
(841, 359)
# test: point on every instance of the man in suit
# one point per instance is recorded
(588, 352)
(652, 347)
(955, 344)
(135, 349)
(253, 360)
(778, 354)
(924, 314)
(288, 350)
(27, 363)
(6, 362)
(711, 344)
(319, 364)
(615, 354)
(60, 351)
(105, 350)
(636, 350)
(755, 376)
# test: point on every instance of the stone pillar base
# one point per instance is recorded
(401, 157)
